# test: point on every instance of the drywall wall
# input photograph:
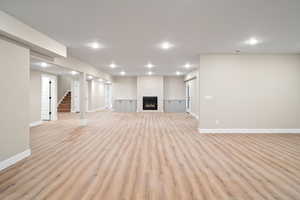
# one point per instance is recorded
(124, 88)
(249, 91)
(63, 85)
(14, 101)
(96, 95)
(35, 96)
(174, 87)
(150, 86)
(17, 30)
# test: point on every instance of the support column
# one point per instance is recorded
(83, 99)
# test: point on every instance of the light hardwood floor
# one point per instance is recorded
(147, 156)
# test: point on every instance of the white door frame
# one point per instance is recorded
(48, 97)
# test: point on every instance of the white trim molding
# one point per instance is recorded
(14, 159)
(97, 109)
(83, 122)
(37, 123)
(245, 131)
(194, 115)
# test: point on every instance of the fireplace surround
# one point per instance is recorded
(150, 103)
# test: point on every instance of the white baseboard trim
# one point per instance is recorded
(83, 122)
(97, 109)
(12, 160)
(33, 124)
(246, 131)
(194, 115)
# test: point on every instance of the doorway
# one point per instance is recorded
(49, 97)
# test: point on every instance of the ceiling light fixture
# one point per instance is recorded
(44, 65)
(74, 72)
(122, 73)
(149, 65)
(166, 45)
(100, 80)
(150, 73)
(252, 41)
(94, 45)
(187, 65)
(112, 65)
(90, 77)
(178, 73)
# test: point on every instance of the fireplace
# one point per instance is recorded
(150, 103)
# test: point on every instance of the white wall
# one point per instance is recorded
(249, 91)
(14, 101)
(174, 87)
(96, 95)
(35, 96)
(124, 88)
(150, 86)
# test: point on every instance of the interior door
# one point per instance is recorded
(48, 98)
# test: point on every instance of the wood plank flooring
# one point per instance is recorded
(152, 156)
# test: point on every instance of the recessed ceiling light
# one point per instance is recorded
(100, 80)
(122, 73)
(149, 65)
(187, 65)
(94, 45)
(90, 77)
(178, 73)
(112, 65)
(166, 45)
(44, 65)
(74, 72)
(150, 73)
(252, 41)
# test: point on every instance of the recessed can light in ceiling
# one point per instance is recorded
(166, 45)
(252, 41)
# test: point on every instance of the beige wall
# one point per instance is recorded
(249, 91)
(14, 101)
(96, 95)
(35, 96)
(174, 87)
(124, 88)
(18, 31)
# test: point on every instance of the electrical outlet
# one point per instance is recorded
(208, 97)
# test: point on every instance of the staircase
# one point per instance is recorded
(65, 104)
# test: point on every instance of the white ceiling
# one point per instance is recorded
(131, 29)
